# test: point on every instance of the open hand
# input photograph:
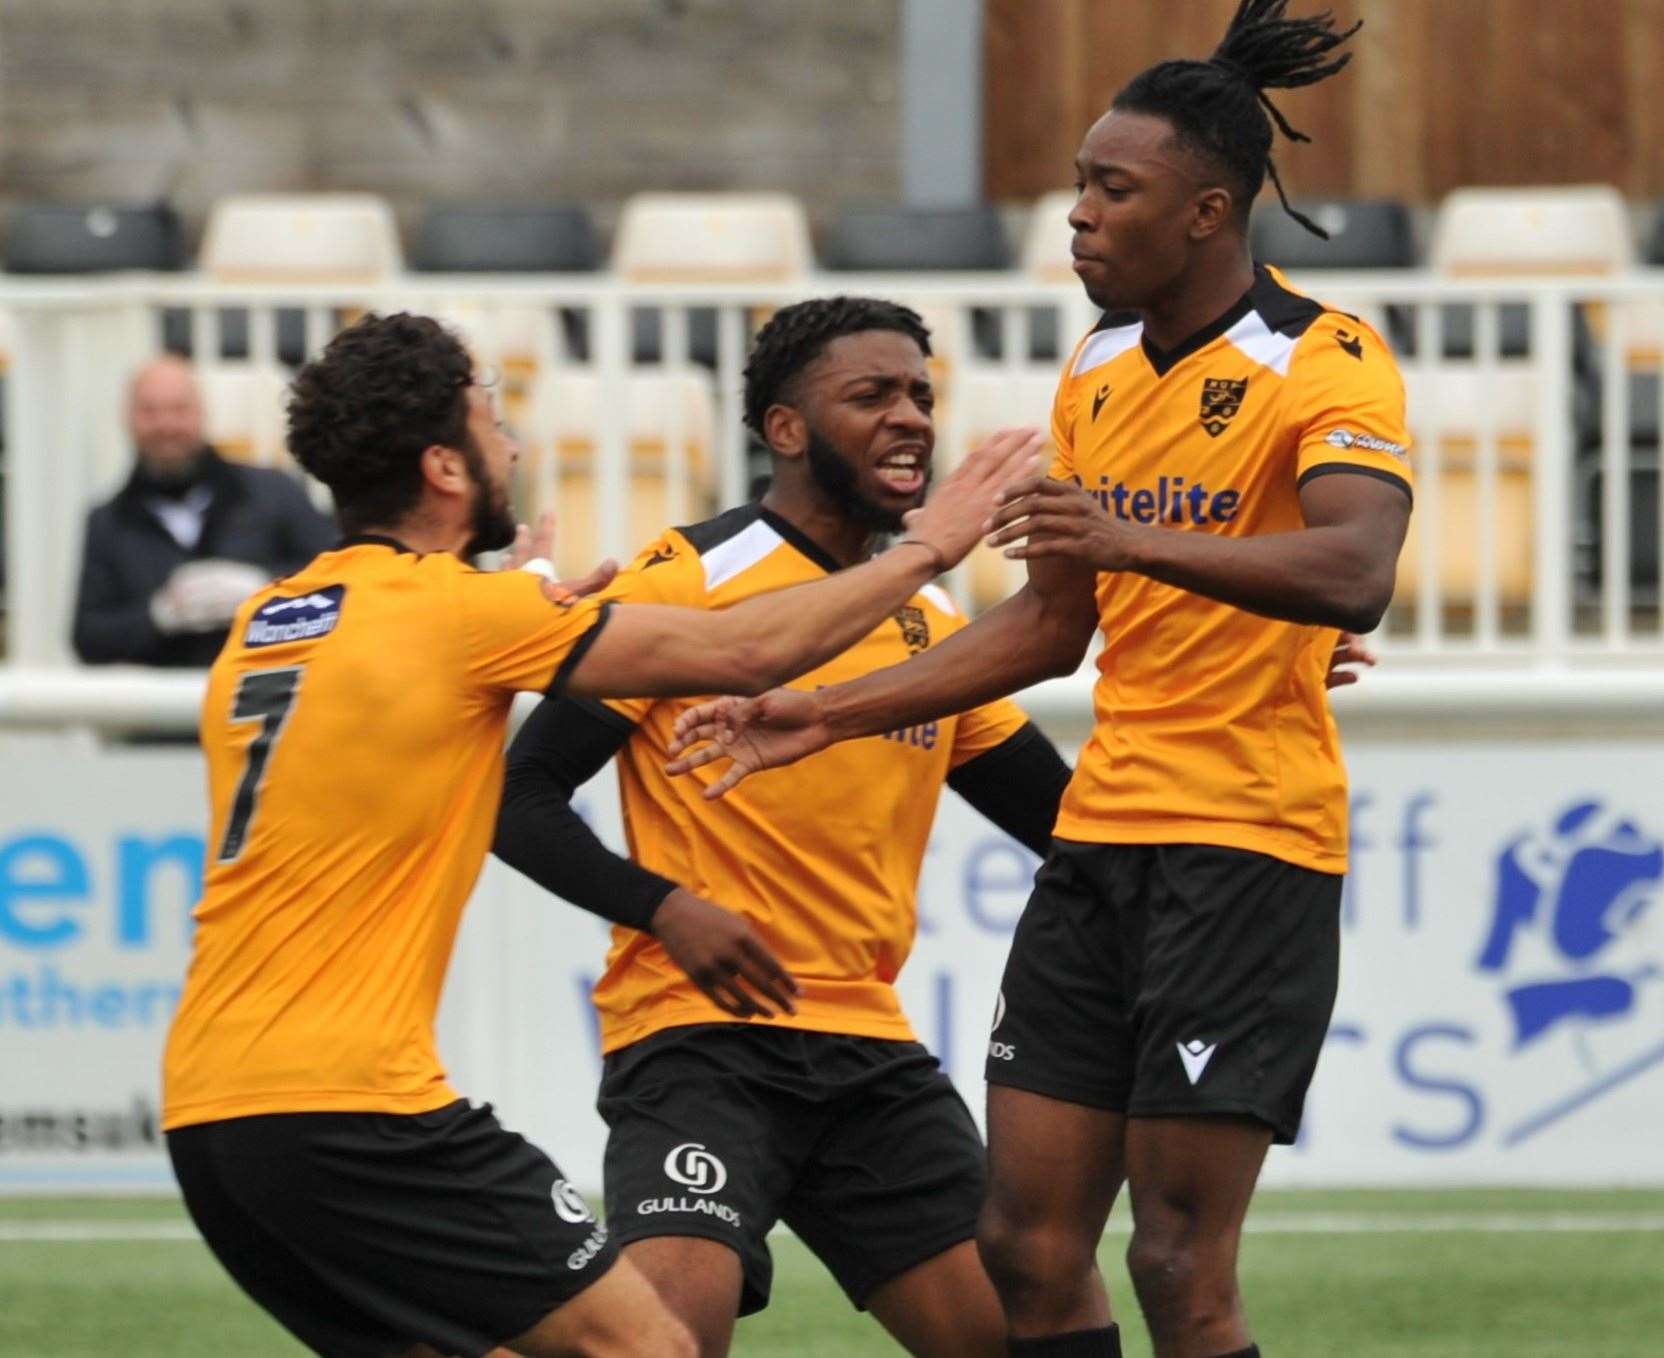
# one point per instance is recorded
(951, 521)
(719, 950)
(1349, 650)
(1058, 518)
(779, 727)
(534, 546)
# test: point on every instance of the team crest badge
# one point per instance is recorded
(915, 629)
(1221, 399)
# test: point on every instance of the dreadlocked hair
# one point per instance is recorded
(795, 336)
(1219, 107)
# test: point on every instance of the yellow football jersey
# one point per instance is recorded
(822, 857)
(353, 727)
(1213, 724)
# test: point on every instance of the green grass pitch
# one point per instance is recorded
(1368, 1275)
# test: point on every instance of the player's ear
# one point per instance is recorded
(785, 431)
(1212, 209)
(445, 469)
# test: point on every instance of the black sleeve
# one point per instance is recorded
(1017, 785)
(564, 744)
(112, 625)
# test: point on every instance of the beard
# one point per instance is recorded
(836, 478)
(494, 525)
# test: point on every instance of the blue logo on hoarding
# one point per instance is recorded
(1568, 940)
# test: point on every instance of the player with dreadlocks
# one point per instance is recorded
(1230, 490)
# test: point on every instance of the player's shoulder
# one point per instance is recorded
(1116, 334)
(938, 606)
(1309, 333)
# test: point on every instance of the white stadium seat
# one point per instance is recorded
(987, 399)
(301, 237)
(1579, 230)
(727, 237)
(243, 410)
(1049, 237)
(670, 432)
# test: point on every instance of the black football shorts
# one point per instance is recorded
(862, 1146)
(365, 1234)
(1170, 980)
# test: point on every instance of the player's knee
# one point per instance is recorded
(1181, 1278)
(1027, 1259)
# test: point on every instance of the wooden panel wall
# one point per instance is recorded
(1440, 93)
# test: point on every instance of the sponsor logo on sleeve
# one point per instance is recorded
(1345, 438)
(305, 617)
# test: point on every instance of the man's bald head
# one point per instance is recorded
(164, 415)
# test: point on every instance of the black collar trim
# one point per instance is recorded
(373, 540)
(1164, 361)
(801, 540)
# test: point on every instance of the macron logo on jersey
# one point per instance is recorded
(303, 618)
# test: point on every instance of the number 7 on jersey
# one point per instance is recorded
(264, 696)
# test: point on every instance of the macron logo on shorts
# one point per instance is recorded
(1196, 1054)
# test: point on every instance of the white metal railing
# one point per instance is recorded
(1526, 533)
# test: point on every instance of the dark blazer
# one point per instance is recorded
(257, 515)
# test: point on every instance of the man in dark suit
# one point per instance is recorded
(169, 558)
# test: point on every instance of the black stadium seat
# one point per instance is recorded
(1365, 233)
(65, 238)
(914, 240)
(505, 238)
(514, 238)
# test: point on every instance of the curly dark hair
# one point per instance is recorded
(1219, 107)
(361, 413)
(797, 335)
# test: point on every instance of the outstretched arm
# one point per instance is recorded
(1337, 571)
(649, 650)
(1041, 631)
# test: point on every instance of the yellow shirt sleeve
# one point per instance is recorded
(667, 571)
(1063, 423)
(1349, 404)
(983, 728)
(520, 631)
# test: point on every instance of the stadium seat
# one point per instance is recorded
(1364, 233)
(1654, 254)
(61, 238)
(706, 238)
(288, 341)
(534, 238)
(1578, 230)
(987, 399)
(664, 412)
(1045, 257)
(505, 238)
(243, 411)
(1459, 395)
(1047, 243)
(712, 237)
(301, 237)
(917, 240)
